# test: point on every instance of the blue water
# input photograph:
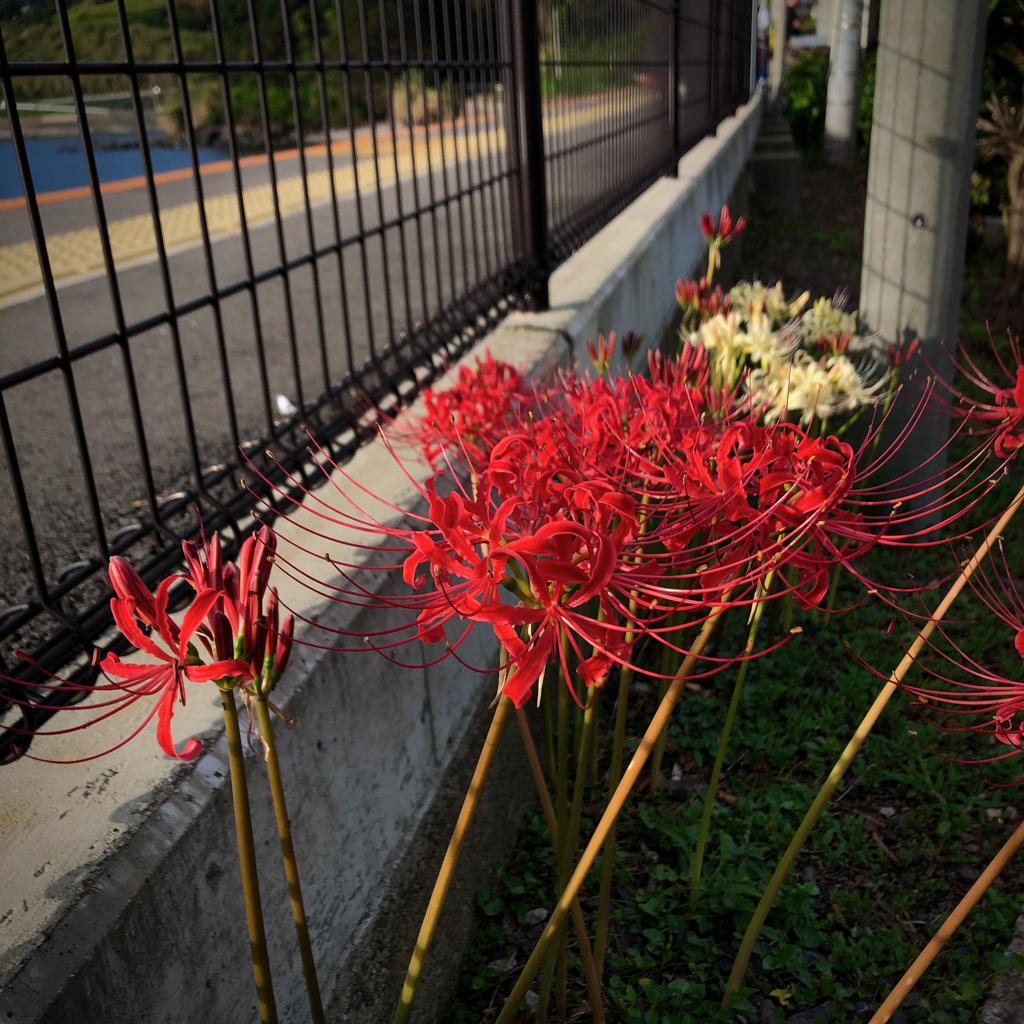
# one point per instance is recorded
(59, 163)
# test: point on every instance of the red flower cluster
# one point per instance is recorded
(625, 510)
(244, 643)
(475, 413)
(722, 232)
(699, 302)
(967, 695)
(1002, 413)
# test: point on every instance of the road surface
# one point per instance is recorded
(391, 281)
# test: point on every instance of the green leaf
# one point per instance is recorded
(490, 904)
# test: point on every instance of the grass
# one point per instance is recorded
(902, 841)
(897, 849)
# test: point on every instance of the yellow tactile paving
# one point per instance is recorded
(75, 253)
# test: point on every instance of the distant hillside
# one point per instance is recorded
(33, 34)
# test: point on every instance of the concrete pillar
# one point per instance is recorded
(930, 56)
(823, 17)
(779, 54)
(843, 95)
(869, 23)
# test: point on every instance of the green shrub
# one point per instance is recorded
(805, 89)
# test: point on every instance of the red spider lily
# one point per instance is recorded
(241, 587)
(631, 342)
(280, 636)
(902, 353)
(975, 697)
(725, 231)
(238, 626)
(838, 344)
(601, 356)
(486, 403)
(143, 620)
(718, 236)
(628, 496)
(175, 662)
(1003, 415)
(699, 302)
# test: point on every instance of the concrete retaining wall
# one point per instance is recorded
(119, 895)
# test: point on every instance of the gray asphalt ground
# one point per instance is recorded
(391, 281)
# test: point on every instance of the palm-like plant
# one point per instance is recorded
(1001, 134)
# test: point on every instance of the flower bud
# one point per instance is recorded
(284, 646)
(272, 618)
(255, 560)
(250, 621)
(127, 583)
(215, 563)
(259, 645)
(223, 639)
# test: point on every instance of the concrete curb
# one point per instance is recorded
(149, 928)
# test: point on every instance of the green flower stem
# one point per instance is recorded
(949, 926)
(546, 981)
(723, 743)
(291, 868)
(562, 816)
(667, 660)
(451, 858)
(549, 728)
(576, 810)
(608, 855)
(833, 587)
(247, 861)
(579, 926)
(597, 841)
(787, 618)
(739, 968)
(563, 974)
(562, 778)
(716, 640)
(773, 619)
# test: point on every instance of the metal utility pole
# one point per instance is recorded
(930, 55)
(844, 77)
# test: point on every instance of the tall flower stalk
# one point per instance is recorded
(579, 926)
(750, 937)
(906, 984)
(716, 772)
(451, 858)
(607, 821)
(278, 651)
(247, 861)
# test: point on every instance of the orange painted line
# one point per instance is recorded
(160, 177)
(363, 145)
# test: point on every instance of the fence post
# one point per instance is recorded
(530, 209)
(715, 61)
(673, 88)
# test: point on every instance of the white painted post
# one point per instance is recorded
(930, 55)
(779, 53)
(844, 77)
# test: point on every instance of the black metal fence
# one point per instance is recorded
(332, 201)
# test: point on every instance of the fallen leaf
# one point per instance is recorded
(505, 966)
